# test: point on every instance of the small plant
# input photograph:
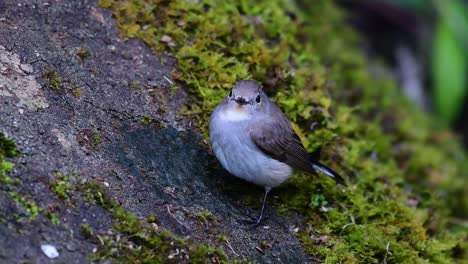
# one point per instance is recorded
(317, 200)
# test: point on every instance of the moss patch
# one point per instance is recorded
(145, 120)
(76, 92)
(7, 150)
(89, 138)
(406, 175)
(83, 53)
(53, 79)
(134, 240)
(27, 204)
(61, 186)
(130, 239)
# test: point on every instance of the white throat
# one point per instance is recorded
(236, 114)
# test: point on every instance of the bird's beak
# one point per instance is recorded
(241, 101)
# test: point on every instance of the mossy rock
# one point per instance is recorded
(406, 174)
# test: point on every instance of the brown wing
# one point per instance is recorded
(277, 139)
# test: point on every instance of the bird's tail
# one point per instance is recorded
(329, 172)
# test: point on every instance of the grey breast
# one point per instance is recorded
(234, 148)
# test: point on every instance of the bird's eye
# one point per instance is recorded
(257, 99)
(230, 93)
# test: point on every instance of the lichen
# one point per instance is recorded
(405, 174)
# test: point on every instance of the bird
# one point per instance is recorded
(255, 141)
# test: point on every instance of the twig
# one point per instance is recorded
(230, 247)
(175, 218)
(387, 252)
(353, 222)
(168, 80)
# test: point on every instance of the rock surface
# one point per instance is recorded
(75, 98)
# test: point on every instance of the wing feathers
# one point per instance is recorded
(277, 139)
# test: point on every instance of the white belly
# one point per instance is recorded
(242, 158)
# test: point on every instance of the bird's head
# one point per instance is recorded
(244, 99)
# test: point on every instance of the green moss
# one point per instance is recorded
(87, 230)
(317, 200)
(7, 147)
(96, 138)
(26, 202)
(133, 240)
(135, 86)
(8, 150)
(205, 216)
(7, 166)
(29, 206)
(83, 53)
(89, 138)
(406, 175)
(152, 219)
(146, 120)
(76, 92)
(173, 91)
(53, 218)
(61, 186)
(53, 79)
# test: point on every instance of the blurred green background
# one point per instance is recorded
(426, 43)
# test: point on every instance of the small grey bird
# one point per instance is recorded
(254, 140)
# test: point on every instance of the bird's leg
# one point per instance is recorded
(260, 218)
(257, 222)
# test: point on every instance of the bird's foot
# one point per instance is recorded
(251, 223)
